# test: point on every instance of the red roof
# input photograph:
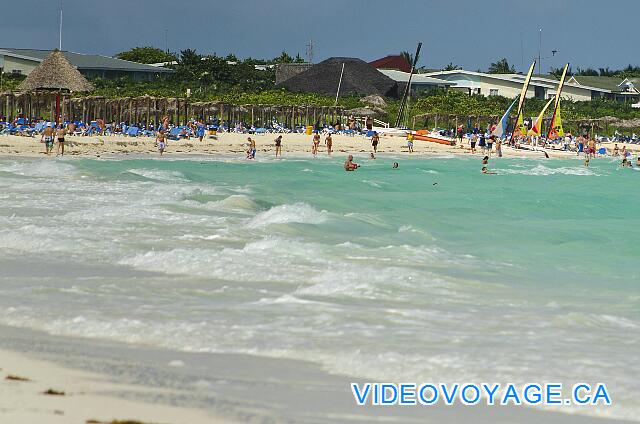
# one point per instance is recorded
(397, 62)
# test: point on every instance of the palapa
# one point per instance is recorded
(55, 73)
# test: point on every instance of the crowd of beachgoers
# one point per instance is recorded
(474, 140)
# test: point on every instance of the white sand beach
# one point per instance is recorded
(236, 144)
(82, 397)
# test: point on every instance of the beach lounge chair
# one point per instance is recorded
(132, 131)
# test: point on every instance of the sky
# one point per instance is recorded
(468, 33)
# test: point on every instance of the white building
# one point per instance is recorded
(510, 85)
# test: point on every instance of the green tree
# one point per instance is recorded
(283, 58)
(451, 67)
(407, 56)
(588, 72)
(557, 72)
(146, 55)
(501, 67)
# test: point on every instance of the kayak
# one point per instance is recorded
(435, 139)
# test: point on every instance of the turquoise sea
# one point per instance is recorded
(429, 273)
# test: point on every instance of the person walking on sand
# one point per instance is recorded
(60, 133)
(375, 139)
(329, 142)
(47, 139)
(251, 151)
(278, 142)
(316, 143)
(161, 141)
(472, 142)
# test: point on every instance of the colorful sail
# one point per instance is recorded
(521, 128)
(501, 128)
(555, 129)
(535, 129)
(523, 96)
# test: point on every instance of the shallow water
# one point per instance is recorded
(432, 272)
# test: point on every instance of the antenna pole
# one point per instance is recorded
(60, 40)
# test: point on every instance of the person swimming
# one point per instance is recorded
(396, 165)
(372, 156)
(349, 165)
(486, 171)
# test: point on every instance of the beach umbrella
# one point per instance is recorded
(55, 73)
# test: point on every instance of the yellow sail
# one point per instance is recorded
(535, 129)
(556, 129)
(520, 128)
(525, 87)
(523, 95)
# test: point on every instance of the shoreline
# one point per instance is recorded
(234, 144)
(170, 387)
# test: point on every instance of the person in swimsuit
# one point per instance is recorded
(372, 156)
(486, 171)
(329, 142)
(396, 165)
(251, 151)
(161, 141)
(278, 142)
(60, 133)
(349, 165)
(473, 140)
(638, 162)
(490, 144)
(47, 139)
(374, 142)
(316, 143)
(410, 142)
(499, 147)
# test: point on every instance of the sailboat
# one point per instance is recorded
(537, 126)
(555, 128)
(520, 127)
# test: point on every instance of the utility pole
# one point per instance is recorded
(310, 51)
(540, 54)
(60, 40)
(166, 41)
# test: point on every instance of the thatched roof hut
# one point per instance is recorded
(55, 73)
(365, 111)
(374, 100)
(359, 79)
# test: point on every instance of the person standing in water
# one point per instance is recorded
(278, 142)
(499, 147)
(349, 165)
(329, 142)
(161, 141)
(60, 133)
